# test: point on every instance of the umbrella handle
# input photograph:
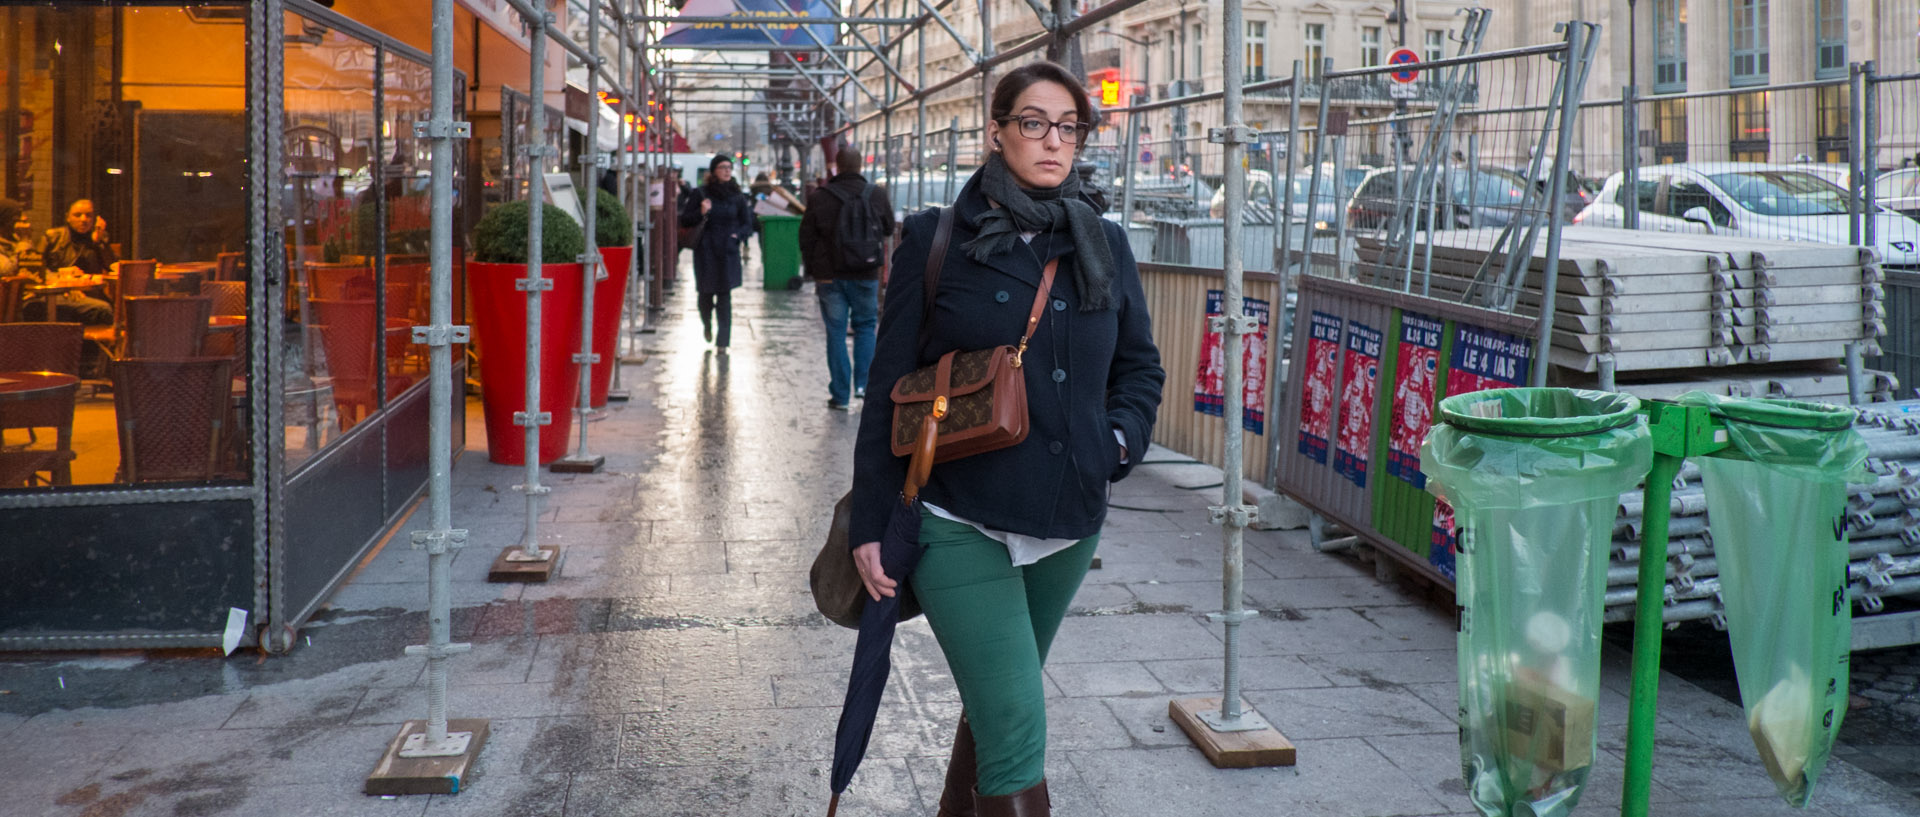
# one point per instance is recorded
(921, 466)
(833, 805)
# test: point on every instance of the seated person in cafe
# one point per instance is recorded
(79, 247)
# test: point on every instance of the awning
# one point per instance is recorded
(580, 105)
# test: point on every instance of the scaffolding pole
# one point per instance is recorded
(583, 461)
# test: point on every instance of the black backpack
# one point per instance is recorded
(857, 233)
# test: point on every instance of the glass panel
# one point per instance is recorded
(125, 171)
(333, 145)
(408, 98)
(1369, 46)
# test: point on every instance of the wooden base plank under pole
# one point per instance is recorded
(507, 569)
(395, 775)
(1230, 750)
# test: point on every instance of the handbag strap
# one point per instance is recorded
(930, 279)
(1039, 305)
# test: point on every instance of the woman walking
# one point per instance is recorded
(724, 216)
(1009, 533)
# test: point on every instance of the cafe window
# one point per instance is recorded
(1369, 46)
(1830, 39)
(1669, 46)
(1748, 127)
(123, 312)
(1749, 54)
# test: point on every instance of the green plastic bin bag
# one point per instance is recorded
(1776, 500)
(1534, 477)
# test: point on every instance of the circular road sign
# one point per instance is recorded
(1404, 56)
(1146, 157)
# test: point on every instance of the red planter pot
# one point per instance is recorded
(609, 300)
(500, 329)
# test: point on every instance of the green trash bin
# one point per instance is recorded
(1776, 498)
(780, 251)
(1534, 477)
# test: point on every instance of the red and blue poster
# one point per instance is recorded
(1482, 359)
(1414, 382)
(1486, 359)
(1358, 385)
(1316, 398)
(1209, 382)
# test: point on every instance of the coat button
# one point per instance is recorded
(1055, 447)
(1000, 297)
(1059, 305)
(1059, 375)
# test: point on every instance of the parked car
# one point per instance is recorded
(1899, 191)
(1327, 204)
(1781, 201)
(1485, 199)
(1576, 192)
(1161, 194)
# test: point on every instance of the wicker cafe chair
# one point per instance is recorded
(171, 415)
(335, 282)
(136, 279)
(230, 266)
(54, 409)
(347, 333)
(167, 327)
(12, 289)
(229, 297)
(41, 347)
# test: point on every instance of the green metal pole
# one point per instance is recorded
(1647, 629)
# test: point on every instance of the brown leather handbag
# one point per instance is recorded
(979, 398)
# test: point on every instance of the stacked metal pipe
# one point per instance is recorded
(1883, 524)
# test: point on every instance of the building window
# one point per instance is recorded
(1669, 46)
(1316, 41)
(1669, 131)
(1199, 68)
(1369, 46)
(1830, 115)
(1830, 39)
(1256, 55)
(1436, 45)
(1749, 52)
(1173, 58)
(1748, 127)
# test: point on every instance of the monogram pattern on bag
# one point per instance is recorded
(964, 412)
(969, 368)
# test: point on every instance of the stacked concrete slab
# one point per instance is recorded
(1666, 302)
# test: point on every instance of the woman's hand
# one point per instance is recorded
(705, 205)
(866, 559)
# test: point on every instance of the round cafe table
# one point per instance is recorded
(45, 293)
(33, 385)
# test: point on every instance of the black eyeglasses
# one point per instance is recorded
(1033, 127)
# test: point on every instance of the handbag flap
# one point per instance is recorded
(972, 371)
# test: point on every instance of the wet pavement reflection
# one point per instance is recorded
(676, 664)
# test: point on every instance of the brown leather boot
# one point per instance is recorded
(962, 773)
(1031, 801)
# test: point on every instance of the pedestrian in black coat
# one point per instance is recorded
(728, 219)
(1009, 534)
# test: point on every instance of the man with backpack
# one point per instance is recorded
(842, 242)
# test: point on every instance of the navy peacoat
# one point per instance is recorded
(1087, 374)
(716, 255)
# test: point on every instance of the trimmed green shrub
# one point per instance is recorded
(501, 235)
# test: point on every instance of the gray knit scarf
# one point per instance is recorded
(1024, 210)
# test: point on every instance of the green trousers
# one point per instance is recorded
(995, 622)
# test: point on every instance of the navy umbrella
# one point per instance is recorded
(900, 551)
